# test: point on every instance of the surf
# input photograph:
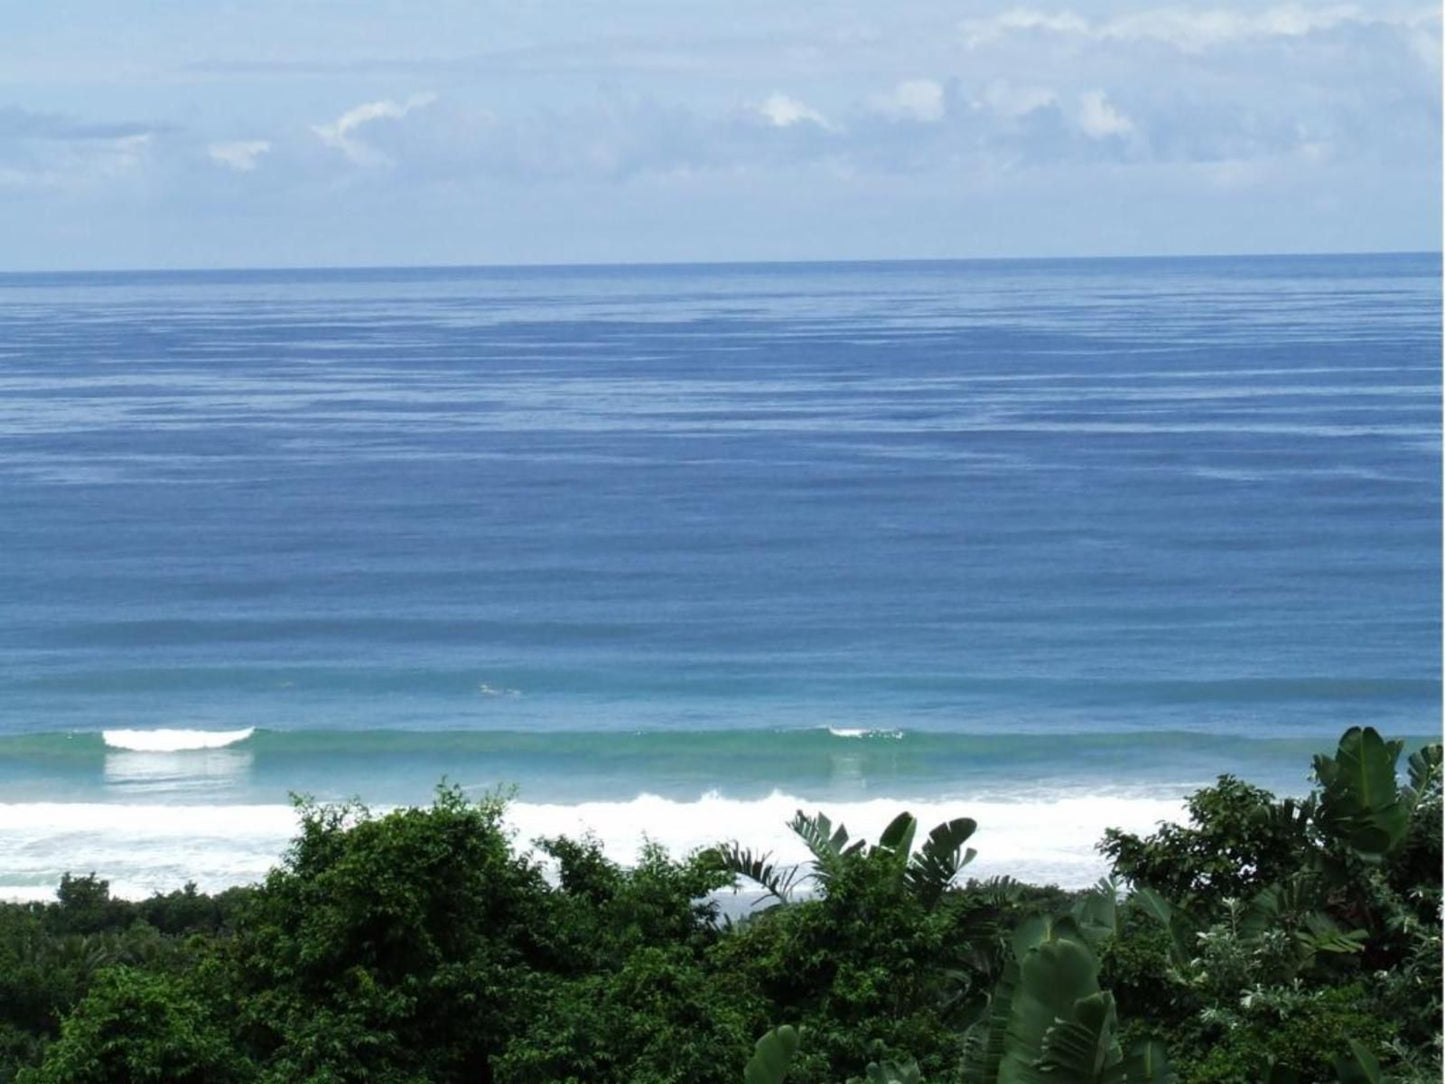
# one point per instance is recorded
(173, 741)
(148, 847)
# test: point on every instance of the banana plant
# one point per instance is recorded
(773, 1054)
(829, 846)
(1285, 906)
(890, 1072)
(1361, 803)
(1049, 1023)
(1097, 913)
(941, 858)
(1425, 774)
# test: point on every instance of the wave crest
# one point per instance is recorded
(173, 741)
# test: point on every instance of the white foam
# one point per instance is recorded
(1032, 840)
(864, 732)
(140, 849)
(145, 848)
(173, 741)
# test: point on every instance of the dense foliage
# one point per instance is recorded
(1263, 940)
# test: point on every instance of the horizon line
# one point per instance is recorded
(603, 265)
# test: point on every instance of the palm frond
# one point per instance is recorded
(941, 858)
(779, 881)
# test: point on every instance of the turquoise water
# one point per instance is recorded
(941, 533)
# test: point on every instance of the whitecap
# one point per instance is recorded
(173, 741)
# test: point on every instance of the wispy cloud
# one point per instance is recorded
(913, 99)
(42, 151)
(1010, 100)
(1099, 118)
(1188, 28)
(241, 155)
(781, 111)
(342, 133)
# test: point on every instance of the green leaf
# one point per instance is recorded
(779, 881)
(984, 1042)
(1358, 1066)
(1053, 978)
(941, 858)
(892, 1072)
(897, 838)
(1097, 913)
(1361, 804)
(1425, 773)
(817, 832)
(1080, 1049)
(772, 1054)
(1147, 1063)
(828, 846)
(1323, 934)
(1264, 912)
(1038, 929)
(1182, 931)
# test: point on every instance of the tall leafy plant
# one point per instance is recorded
(1361, 803)
(927, 872)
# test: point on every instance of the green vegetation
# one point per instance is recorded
(1264, 940)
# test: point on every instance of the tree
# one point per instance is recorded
(140, 1028)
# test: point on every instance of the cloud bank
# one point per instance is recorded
(1282, 112)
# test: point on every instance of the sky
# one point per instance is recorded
(268, 133)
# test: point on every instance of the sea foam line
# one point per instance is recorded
(173, 741)
(145, 848)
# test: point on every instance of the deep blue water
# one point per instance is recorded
(1001, 502)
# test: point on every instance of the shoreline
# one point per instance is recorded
(142, 849)
(150, 810)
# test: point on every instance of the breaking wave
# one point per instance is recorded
(144, 848)
(173, 741)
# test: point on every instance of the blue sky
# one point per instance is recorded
(192, 133)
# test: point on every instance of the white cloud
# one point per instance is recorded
(1009, 100)
(241, 155)
(1194, 30)
(1185, 28)
(783, 112)
(978, 32)
(912, 99)
(1099, 119)
(341, 133)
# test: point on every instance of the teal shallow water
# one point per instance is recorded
(391, 767)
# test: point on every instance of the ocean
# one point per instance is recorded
(672, 551)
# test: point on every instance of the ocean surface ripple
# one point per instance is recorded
(1027, 533)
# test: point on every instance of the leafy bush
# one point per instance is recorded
(139, 1027)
